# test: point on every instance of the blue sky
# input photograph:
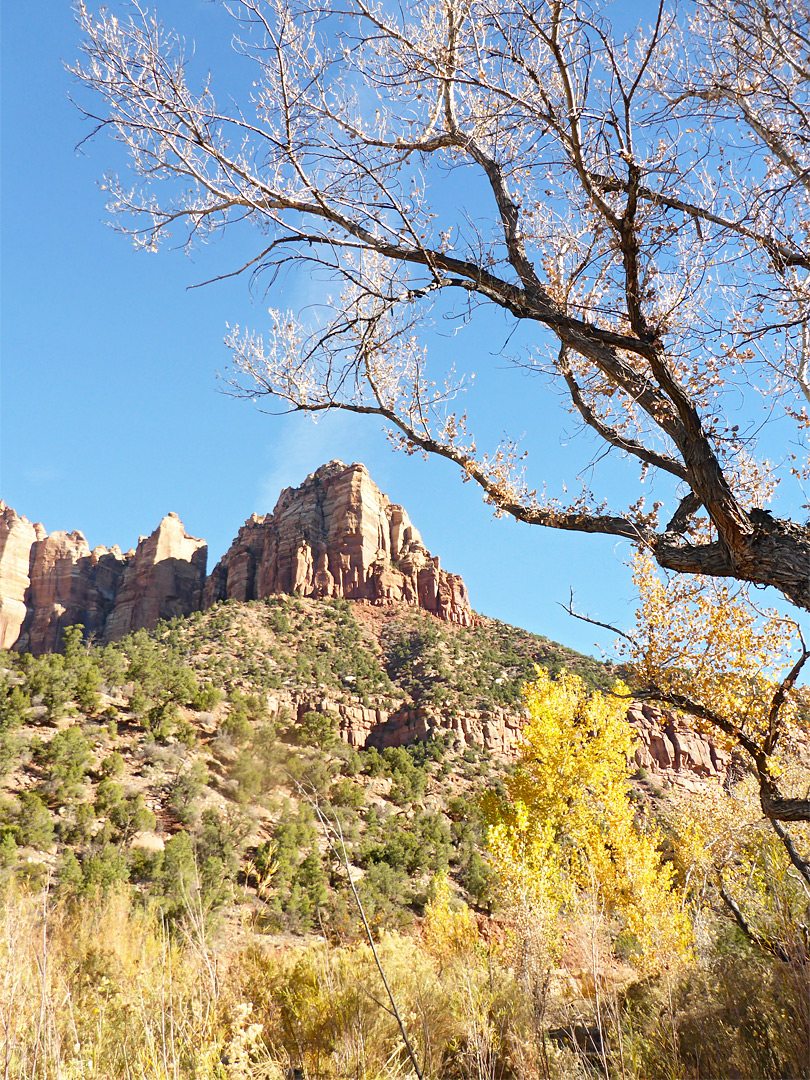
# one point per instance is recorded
(111, 411)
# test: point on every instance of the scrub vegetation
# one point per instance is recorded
(196, 874)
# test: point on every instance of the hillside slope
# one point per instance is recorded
(195, 758)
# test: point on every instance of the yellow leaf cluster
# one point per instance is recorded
(448, 929)
(568, 826)
(721, 836)
(702, 639)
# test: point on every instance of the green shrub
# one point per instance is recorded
(423, 844)
(79, 828)
(15, 706)
(69, 875)
(187, 788)
(65, 761)
(237, 727)
(130, 815)
(161, 719)
(207, 698)
(109, 794)
(9, 853)
(409, 778)
(10, 749)
(103, 870)
(476, 877)
(316, 729)
(49, 681)
(113, 765)
(196, 875)
(34, 824)
(345, 793)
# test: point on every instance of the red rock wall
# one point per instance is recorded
(335, 535)
(17, 537)
(667, 749)
(62, 592)
(163, 579)
(48, 582)
(338, 535)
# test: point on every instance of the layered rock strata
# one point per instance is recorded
(163, 579)
(69, 584)
(48, 582)
(335, 535)
(668, 750)
(17, 537)
(338, 535)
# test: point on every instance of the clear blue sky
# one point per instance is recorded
(111, 411)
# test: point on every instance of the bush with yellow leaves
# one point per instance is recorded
(568, 828)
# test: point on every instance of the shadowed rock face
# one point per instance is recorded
(63, 590)
(338, 535)
(670, 748)
(48, 582)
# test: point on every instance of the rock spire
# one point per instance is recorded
(335, 535)
(338, 535)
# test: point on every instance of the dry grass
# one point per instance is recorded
(101, 989)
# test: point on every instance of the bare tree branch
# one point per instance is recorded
(641, 205)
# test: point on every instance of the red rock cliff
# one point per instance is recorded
(17, 537)
(162, 579)
(48, 582)
(338, 535)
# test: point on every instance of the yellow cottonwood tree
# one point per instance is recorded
(448, 930)
(567, 827)
(722, 849)
(705, 649)
(701, 647)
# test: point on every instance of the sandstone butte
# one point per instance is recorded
(337, 535)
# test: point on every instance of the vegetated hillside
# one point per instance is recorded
(181, 835)
(182, 760)
(371, 654)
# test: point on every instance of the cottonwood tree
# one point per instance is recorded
(705, 649)
(642, 206)
(566, 829)
(702, 646)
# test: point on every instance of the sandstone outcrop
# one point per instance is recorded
(63, 590)
(338, 535)
(48, 582)
(668, 750)
(335, 535)
(17, 537)
(163, 579)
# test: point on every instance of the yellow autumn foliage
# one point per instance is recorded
(568, 827)
(701, 638)
(449, 928)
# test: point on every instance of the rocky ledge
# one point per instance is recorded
(667, 752)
